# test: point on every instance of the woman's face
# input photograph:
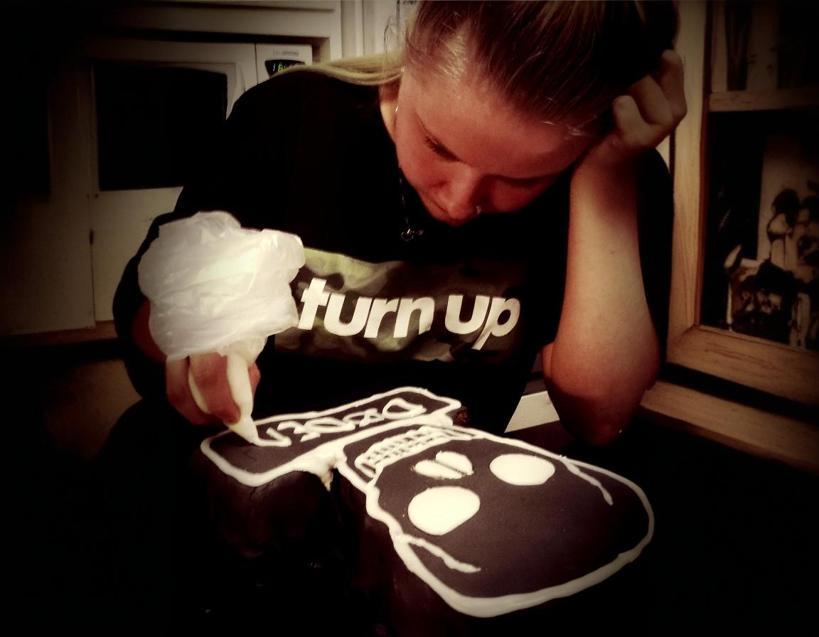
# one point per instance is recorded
(462, 147)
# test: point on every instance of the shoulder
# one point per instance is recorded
(303, 92)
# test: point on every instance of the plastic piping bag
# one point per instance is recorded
(217, 287)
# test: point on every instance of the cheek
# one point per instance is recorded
(505, 198)
(421, 167)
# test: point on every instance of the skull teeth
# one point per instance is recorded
(448, 465)
(454, 460)
(404, 445)
(433, 469)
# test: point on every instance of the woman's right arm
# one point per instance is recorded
(217, 184)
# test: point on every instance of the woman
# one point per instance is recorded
(490, 194)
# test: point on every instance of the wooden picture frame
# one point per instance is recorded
(773, 368)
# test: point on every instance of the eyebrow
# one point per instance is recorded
(445, 150)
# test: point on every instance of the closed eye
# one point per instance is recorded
(439, 149)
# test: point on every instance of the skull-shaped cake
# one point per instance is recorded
(491, 525)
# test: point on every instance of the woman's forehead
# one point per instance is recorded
(477, 125)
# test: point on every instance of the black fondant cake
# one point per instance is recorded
(456, 521)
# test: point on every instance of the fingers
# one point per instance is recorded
(653, 107)
(653, 103)
(670, 77)
(179, 393)
(198, 388)
(209, 372)
(634, 133)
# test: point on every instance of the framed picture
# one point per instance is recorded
(744, 280)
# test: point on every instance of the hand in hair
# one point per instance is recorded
(645, 116)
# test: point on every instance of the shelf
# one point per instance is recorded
(778, 99)
(764, 365)
(761, 433)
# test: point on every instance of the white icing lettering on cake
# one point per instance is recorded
(440, 510)
(321, 459)
(275, 439)
(491, 316)
(313, 428)
(522, 469)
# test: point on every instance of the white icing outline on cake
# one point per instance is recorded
(434, 429)
(493, 606)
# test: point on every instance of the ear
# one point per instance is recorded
(388, 99)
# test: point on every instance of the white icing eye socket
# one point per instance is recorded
(439, 510)
(448, 465)
(522, 469)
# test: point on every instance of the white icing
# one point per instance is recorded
(437, 551)
(239, 382)
(313, 425)
(440, 510)
(448, 465)
(321, 460)
(502, 604)
(390, 450)
(454, 460)
(314, 428)
(277, 439)
(522, 469)
(400, 408)
(591, 480)
(433, 469)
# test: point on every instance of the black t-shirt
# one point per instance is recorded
(389, 296)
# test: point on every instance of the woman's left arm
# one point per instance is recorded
(606, 352)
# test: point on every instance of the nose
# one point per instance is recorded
(461, 194)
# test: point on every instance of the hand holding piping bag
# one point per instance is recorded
(217, 291)
(239, 359)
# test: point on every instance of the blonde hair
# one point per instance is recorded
(558, 61)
